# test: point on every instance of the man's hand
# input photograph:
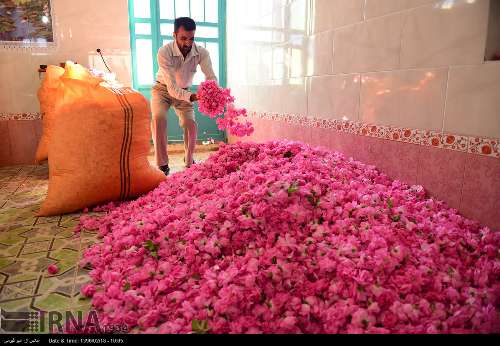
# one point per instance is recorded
(193, 98)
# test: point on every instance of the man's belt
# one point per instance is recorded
(187, 89)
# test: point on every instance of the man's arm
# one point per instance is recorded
(167, 71)
(206, 66)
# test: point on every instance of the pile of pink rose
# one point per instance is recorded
(284, 238)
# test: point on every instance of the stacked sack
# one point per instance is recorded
(47, 96)
(97, 139)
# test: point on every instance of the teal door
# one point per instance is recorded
(151, 27)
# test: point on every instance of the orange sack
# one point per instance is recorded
(99, 145)
(47, 99)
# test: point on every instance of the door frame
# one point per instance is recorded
(175, 133)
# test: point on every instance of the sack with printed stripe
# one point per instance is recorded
(98, 151)
(47, 98)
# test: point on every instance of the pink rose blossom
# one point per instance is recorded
(53, 269)
(88, 290)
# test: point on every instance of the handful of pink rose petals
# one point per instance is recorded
(212, 101)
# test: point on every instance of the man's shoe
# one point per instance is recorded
(194, 162)
(165, 169)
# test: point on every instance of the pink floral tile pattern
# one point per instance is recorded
(484, 146)
(466, 144)
(460, 143)
(432, 139)
(20, 116)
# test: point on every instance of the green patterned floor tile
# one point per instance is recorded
(27, 198)
(66, 258)
(70, 220)
(9, 250)
(18, 182)
(29, 185)
(45, 232)
(4, 197)
(69, 244)
(14, 183)
(9, 171)
(26, 171)
(36, 247)
(27, 267)
(17, 305)
(4, 179)
(38, 183)
(4, 262)
(69, 225)
(10, 187)
(67, 233)
(24, 276)
(40, 178)
(3, 279)
(48, 283)
(62, 282)
(53, 302)
(13, 236)
(48, 220)
(17, 291)
(13, 216)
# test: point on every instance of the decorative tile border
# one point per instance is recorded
(474, 145)
(484, 146)
(20, 116)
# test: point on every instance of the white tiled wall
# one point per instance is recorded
(408, 63)
(80, 27)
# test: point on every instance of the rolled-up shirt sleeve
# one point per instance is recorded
(167, 71)
(206, 66)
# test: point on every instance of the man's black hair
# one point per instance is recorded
(187, 23)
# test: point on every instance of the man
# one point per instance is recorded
(177, 62)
